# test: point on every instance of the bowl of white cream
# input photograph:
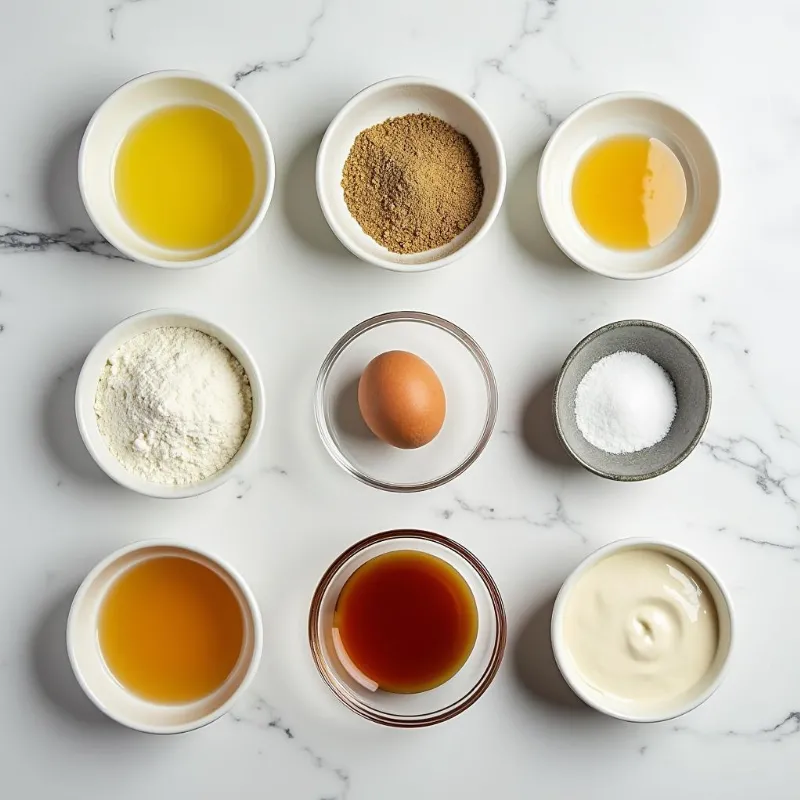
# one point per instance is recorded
(642, 630)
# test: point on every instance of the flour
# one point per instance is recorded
(173, 405)
(625, 403)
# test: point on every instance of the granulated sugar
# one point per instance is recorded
(625, 403)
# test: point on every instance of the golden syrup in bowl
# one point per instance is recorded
(171, 630)
(629, 192)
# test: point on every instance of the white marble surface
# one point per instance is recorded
(529, 515)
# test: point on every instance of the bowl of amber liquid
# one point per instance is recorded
(407, 628)
(629, 186)
(164, 637)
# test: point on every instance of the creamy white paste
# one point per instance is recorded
(641, 626)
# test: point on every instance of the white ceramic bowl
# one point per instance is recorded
(395, 98)
(629, 113)
(101, 686)
(87, 389)
(124, 108)
(613, 706)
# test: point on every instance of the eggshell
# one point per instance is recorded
(401, 399)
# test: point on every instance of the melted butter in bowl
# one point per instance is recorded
(642, 631)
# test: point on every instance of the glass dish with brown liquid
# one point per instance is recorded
(407, 628)
(405, 622)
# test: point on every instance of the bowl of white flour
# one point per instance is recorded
(169, 404)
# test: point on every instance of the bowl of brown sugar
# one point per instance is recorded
(410, 174)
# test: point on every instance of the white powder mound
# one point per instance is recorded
(174, 405)
(625, 403)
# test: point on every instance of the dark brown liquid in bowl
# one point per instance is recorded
(407, 620)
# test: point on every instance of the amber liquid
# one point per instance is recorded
(171, 630)
(407, 621)
(629, 192)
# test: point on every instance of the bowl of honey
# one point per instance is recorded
(176, 169)
(163, 637)
(629, 186)
(407, 628)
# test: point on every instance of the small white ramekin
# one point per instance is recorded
(101, 686)
(87, 389)
(123, 109)
(397, 97)
(616, 707)
(613, 115)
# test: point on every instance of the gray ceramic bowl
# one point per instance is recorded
(692, 388)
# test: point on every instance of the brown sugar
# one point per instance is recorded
(412, 183)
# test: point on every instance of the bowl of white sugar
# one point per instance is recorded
(632, 400)
(169, 404)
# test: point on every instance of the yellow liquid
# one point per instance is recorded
(629, 192)
(184, 178)
(171, 630)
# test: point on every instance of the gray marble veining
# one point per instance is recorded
(525, 511)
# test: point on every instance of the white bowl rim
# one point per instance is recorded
(168, 74)
(344, 238)
(233, 574)
(656, 272)
(557, 619)
(87, 384)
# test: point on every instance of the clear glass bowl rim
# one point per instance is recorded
(375, 322)
(486, 678)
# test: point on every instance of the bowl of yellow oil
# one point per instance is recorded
(629, 186)
(176, 169)
(164, 637)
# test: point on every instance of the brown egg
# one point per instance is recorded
(401, 399)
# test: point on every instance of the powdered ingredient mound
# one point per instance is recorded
(413, 183)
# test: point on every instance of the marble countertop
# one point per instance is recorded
(528, 513)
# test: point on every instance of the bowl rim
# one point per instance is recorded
(377, 321)
(618, 545)
(86, 390)
(498, 649)
(552, 142)
(268, 152)
(252, 608)
(625, 323)
(322, 157)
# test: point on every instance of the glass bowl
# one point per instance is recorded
(423, 708)
(469, 385)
